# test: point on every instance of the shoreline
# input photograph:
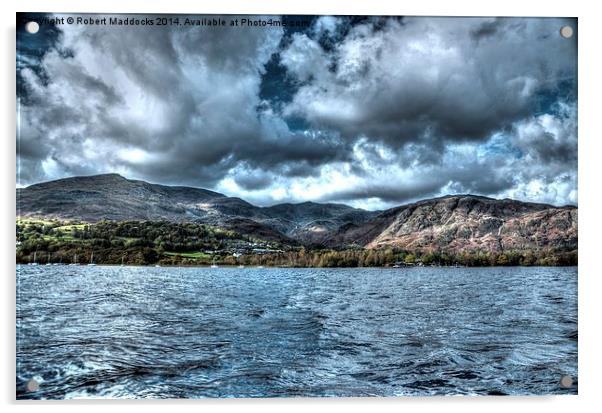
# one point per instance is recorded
(292, 267)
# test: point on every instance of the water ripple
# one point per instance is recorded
(126, 332)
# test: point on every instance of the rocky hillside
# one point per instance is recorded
(467, 223)
(452, 223)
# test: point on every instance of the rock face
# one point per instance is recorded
(452, 223)
(467, 223)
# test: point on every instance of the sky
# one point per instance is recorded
(372, 112)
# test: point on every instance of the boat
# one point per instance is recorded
(214, 265)
(92, 259)
(34, 259)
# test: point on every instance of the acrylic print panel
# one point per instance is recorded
(285, 206)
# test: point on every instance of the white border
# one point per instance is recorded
(589, 199)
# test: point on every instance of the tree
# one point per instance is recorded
(502, 259)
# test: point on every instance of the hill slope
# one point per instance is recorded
(467, 222)
(452, 223)
(113, 197)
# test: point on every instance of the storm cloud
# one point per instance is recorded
(372, 112)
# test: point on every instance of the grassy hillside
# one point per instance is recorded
(168, 243)
(130, 242)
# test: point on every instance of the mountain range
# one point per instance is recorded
(452, 223)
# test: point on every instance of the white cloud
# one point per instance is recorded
(398, 110)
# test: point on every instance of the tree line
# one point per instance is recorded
(169, 243)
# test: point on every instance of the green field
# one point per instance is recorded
(189, 254)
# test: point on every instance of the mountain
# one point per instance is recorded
(113, 197)
(467, 223)
(451, 223)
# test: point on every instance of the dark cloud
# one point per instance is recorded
(395, 192)
(366, 110)
(425, 80)
(550, 138)
(253, 181)
(473, 177)
(486, 29)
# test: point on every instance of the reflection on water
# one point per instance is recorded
(198, 332)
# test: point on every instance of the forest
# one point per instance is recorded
(191, 244)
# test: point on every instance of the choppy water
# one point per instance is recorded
(188, 333)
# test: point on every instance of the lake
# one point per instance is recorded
(145, 332)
